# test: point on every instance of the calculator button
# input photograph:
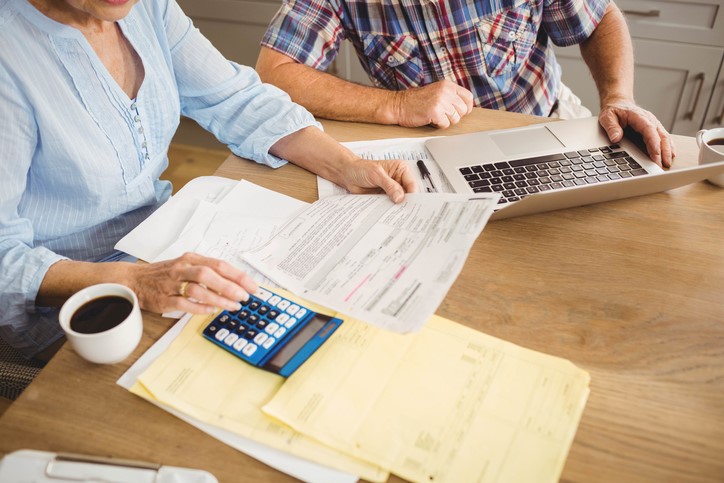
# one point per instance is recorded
(282, 318)
(253, 319)
(239, 344)
(240, 330)
(271, 328)
(211, 329)
(224, 319)
(280, 332)
(263, 294)
(263, 309)
(249, 349)
(283, 304)
(231, 338)
(272, 314)
(269, 342)
(260, 338)
(292, 309)
(302, 312)
(221, 335)
(243, 314)
(233, 324)
(274, 300)
(290, 322)
(262, 323)
(254, 305)
(244, 303)
(250, 334)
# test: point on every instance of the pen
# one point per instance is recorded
(426, 176)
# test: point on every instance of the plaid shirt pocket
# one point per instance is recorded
(393, 60)
(507, 39)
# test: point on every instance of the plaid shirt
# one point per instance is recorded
(498, 49)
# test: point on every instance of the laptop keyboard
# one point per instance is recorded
(518, 178)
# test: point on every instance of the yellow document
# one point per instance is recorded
(199, 379)
(447, 404)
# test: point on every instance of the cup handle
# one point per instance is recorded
(700, 138)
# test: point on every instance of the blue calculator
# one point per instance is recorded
(271, 332)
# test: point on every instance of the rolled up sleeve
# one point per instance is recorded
(569, 22)
(228, 99)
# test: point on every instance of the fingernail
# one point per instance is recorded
(241, 295)
(234, 307)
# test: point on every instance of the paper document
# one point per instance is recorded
(165, 225)
(446, 404)
(408, 149)
(302, 469)
(197, 378)
(366, 257)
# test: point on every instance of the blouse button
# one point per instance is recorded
(137, 118)
(140, 130)
(133, 106)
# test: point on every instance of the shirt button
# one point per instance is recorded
(511, 35)
(140, 130)
(137, 118)
(390, 59)
(144, 144)
(443, 50)
(133, 106)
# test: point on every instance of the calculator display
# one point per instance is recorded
(271, 332)
(282, 357)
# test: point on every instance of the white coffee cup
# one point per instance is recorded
(711, 153)
(107, 331)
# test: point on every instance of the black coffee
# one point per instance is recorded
(101, 314)
(716, 142)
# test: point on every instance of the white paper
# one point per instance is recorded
(165, 225)
(408, 149)
(364, 256)
(284, 462)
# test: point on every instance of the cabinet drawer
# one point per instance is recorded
(690, 21)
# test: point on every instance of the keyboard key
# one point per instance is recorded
(471, 177)
(536, 160)
(572, 154)
(262, 294)
(484, 189)
(568, 184)
(502, 165)
(638, 172)
(465, 171)
(477, 169)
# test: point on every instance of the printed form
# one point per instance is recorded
(446, 404)
(387, 264)
(410, 150)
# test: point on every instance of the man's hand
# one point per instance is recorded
(441, 104)
(617, 115)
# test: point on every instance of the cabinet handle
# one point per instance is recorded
(700, 79)
(718, 120)
(642, 13)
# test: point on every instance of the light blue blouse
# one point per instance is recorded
(80, 161)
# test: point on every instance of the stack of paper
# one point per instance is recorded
(445, 404)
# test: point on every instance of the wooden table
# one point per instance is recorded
(632, 291)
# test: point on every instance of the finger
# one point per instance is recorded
(225, 270)
(651, 138)
(204, 296)
(403, 175)
(467, 98)
(440, 121)
(609, 120)
(392, 188)
(192, 306)
(209, 273)
(454, 117)
(666, 149)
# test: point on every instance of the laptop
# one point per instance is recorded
(555, 165)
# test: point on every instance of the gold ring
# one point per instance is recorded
(182, 290)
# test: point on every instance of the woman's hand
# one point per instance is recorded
(191, 283)
(391, 176)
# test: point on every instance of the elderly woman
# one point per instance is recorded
(92, 92)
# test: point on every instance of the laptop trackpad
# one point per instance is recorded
(525, 141)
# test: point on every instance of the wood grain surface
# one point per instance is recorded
(631, 291)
